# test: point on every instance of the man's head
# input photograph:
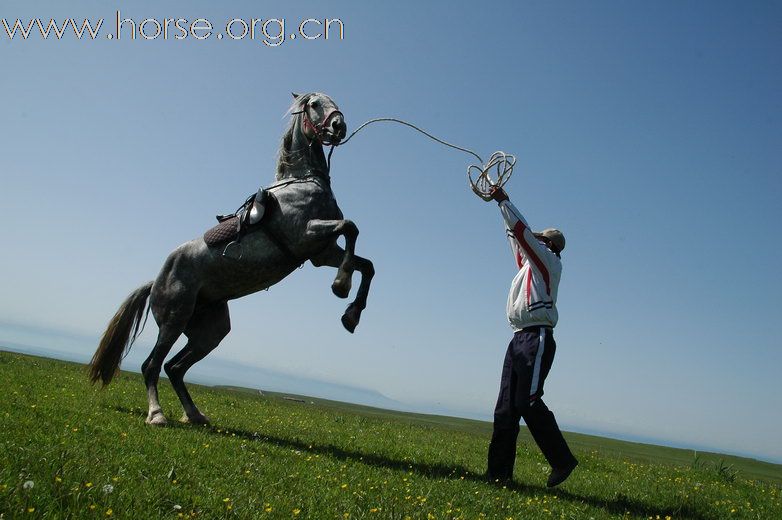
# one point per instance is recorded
(553, 238)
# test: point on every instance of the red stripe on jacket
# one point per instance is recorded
(518, 232)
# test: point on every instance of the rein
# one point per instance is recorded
(414, 127)
(483, 183)
(304, 178)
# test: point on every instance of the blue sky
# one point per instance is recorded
(644, 130)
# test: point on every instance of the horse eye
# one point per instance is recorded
(314, 104)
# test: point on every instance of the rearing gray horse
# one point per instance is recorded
(190, 295)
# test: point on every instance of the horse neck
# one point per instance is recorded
(300, 156)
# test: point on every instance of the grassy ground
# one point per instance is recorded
(68, 450)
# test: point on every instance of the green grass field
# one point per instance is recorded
(69, 450)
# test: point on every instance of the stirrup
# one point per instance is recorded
(233, 250)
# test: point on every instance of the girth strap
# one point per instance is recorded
(243, 214)
(277, 240)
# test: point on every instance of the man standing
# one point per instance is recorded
(532, 314)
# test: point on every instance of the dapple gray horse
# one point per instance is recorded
(190, 295)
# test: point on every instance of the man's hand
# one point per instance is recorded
(497, 194)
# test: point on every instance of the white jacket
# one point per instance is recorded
(533, 293)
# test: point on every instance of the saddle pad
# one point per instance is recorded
(222, 232)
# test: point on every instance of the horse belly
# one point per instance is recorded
(254, 271)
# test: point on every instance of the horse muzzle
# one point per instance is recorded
(336, 130)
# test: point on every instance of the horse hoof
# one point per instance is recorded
(348, 323)
(350, 319)
(341, 289)
(156, 418)
(196, 419)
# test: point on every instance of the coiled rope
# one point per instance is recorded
(483, 183)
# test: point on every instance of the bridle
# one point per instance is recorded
(320, 130)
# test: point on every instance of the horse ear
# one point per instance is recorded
(295, 95)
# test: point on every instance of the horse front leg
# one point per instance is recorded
(353, 313)
(333, 229)
(333, 256)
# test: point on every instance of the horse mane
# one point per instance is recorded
(287, 138)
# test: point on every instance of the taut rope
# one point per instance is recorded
(483, 183)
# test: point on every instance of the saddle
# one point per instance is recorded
(251, 216)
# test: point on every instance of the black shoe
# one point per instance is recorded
(559, 475)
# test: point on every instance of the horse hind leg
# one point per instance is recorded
(207, 328)
(171, 311)
(167, 336)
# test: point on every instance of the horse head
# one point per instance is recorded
(316, 121)
(322, 119)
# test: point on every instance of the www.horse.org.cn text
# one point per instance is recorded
(271, 32)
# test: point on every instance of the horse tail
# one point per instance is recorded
(116, 341)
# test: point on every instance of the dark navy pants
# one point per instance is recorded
(527, 363)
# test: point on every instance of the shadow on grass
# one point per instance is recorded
(618, 506)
